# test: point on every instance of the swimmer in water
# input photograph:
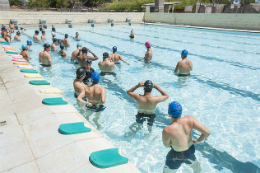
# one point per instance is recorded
(65, 41)
(35, 37)
(146, 104)
(45, 57)
(17, 36)
(184, 66)
(132, 35)
(62, 52)
(43, 37)
(53, 29)
(106, 66)
(5, 34)
(75, 52)
(89, 71)
(78, 82)
(149, 54)
(95, 93)
(178, 137)
(11, 26)
(29, 43)
(115, 57)
(54, 44)
(53, 35)
(77, 37)
(83, 55)
(24, 53)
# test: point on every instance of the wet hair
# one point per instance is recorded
(43, 31)
(36, 32)
(84, 50)
(66, 35)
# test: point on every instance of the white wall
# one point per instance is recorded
(219, 20)
(60, 17)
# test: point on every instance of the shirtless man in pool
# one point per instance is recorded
(146, 104)
(115, 57)
(78, 82)
(106, 66)
(45, 57)
(95, 93)
(184, 66)
(178, 136)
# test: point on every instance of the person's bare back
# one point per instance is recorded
(106, 65)
(184, 66)
(45, 57)
(115, 57)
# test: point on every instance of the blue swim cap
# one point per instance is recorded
(59, 40)
(114, 49)
(184, 52)
(175, 109)
(79, 45)
(4, 28)
(29, 41)
(95, 77)
(24, 46)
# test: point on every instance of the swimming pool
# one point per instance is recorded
(222, 92)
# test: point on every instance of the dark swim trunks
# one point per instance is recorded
(107, 73)
(175, 159)
(117, 63)
(101, 108)
(183, 74)
(44, 65)
(140, 117)
(84, 98)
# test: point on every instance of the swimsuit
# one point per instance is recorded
(140, 117)
(45, 65)
(84, 98)
(117, 62)
(183, 74)
(107, 73)
(94, 108)
(174, 159)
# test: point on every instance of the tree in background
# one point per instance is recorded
(62, 4)
(127, 5)
(16, 2)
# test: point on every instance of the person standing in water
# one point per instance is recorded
(89, 71)
(115, 57)
(35, 37)
(77, 37)
(62, 52)
(146, 104)
(106, 66)
(149, 54)
(178, 136)
(184, 66)
(17, 37)
(54, 44)
(132, 35)
(78, 82)
(65, 41)
(75, 52)
(83, 55)
(43, 37)
(29, 43)
(24, 53)
(45, 57)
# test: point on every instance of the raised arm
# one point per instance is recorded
(164, 96)
(131, 91)
(176, 68)
(201, 128)
(92, 58)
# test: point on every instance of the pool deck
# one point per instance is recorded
(30, 141)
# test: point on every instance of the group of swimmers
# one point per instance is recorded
(177, 136)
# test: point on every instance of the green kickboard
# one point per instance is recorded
(73, 128)
(12, 53)
(107, 158)
(54, 101)
(39, 82)
(4, 42)
(28, 71)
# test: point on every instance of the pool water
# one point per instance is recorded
(222, 91)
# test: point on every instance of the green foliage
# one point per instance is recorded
(127, 5)
(16, 2)
(188, 3)
(62, 4)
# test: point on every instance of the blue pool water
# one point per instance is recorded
(222, 92)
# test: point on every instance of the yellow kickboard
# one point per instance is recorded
(51, 91)
(33, 76)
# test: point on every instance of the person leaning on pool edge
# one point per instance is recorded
(178, 136)
(184, 66)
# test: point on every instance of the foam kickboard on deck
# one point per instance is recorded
(73, 128)
(54, 101)
(39, 82)
(28, 71)
(107, 158)
(33, 76)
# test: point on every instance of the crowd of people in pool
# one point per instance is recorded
(177, 136)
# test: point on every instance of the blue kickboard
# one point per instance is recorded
(107, 158)
(54, 101)
(73, 128)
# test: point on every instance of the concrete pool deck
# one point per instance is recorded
(30, 141)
